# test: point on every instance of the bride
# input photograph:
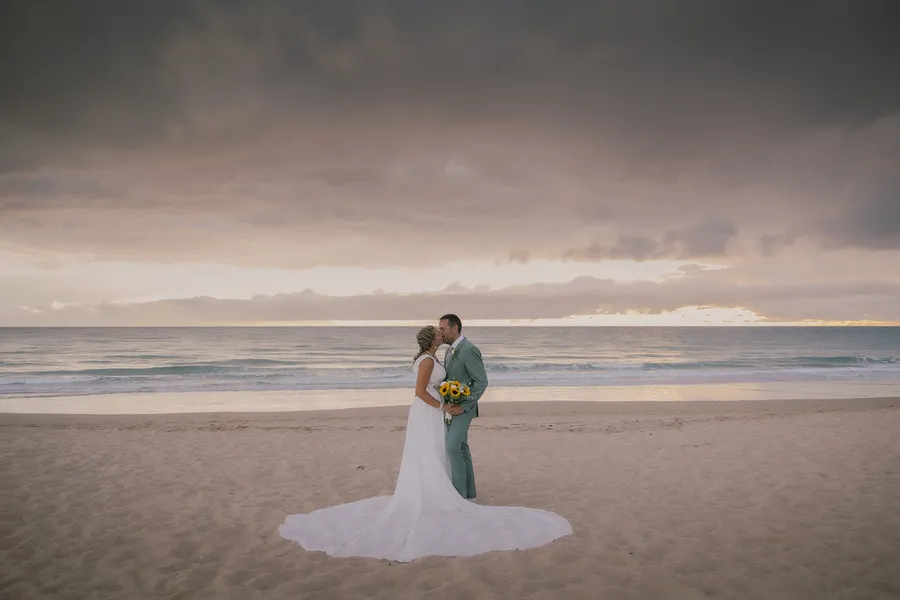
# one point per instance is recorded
(425, 516)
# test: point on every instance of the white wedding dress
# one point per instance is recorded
(425, 516)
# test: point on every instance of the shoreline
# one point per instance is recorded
(203, 402)
(522, 414)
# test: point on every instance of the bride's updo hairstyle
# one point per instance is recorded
(425, 338)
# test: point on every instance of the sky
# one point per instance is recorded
(533, 162)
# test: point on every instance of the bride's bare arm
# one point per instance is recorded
(424, 373)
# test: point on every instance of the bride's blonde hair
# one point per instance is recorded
(425, 338)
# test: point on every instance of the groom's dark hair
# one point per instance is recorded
(452, 320)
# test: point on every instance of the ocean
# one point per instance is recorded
(73, 362)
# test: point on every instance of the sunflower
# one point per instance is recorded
(466, 391)
(454, 392)
(445, 387)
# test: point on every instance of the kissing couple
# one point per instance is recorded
(432, 510)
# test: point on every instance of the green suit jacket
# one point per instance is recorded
(464, 364)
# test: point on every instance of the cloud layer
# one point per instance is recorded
(870, 301)
(299, 134)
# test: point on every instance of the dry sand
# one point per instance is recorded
(777, 499)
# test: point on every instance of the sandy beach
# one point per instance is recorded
(769, 499)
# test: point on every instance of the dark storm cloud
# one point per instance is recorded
(80, 74)
(873, 222)
(806, 62)
(709, 239)
(242, 132)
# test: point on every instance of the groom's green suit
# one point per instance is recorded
(464, 364)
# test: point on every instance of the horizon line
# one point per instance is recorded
(382, 325)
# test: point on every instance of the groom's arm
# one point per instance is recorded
(475, 366)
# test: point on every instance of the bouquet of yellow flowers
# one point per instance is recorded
(453, 392)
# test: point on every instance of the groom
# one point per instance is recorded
(464, 364)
